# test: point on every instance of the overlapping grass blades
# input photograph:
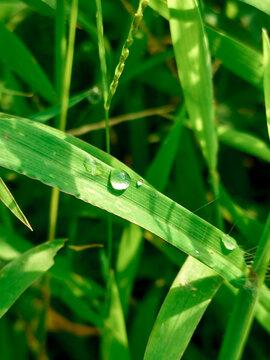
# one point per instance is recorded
(60, 160)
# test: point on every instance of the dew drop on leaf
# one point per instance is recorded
(139, 183)
(228, 242)
(119, 179)
(90, 165)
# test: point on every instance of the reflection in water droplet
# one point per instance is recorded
(94, 95)
(228, 242)
(139, 183)
(90, 165)
(119, 179)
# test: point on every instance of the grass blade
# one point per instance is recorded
(7, 198)
(60, 160)
(235, 55)
(244, 308)
(245, 142)
(194, 70)
(129, 251)
(47, 114)
(114, 337)
(263, 5)
(266, 78)
(20, 60)
(187, 300)
(18, 275)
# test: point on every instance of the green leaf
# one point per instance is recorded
(190, 294)
(114, 336)
(59, 160)
(245, 142)
(131, 241)
(7, 198)
(18, 275)
(266, 78)
(194, 70)
(19, 59)
(47, 114)
(263, 5)
(236, 56)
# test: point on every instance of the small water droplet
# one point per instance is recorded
(197, 252)
(139, 183)
(228, 242)
(119, 179)
(94, 96)
(90, 165)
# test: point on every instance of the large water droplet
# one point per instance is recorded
(90, 165)
(119, 179)
(228, 242)
(139, 183)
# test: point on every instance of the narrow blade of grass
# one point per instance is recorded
(60, 160)
(187, 300)
(266, 78)
(263, 5)
(47, 114)
(132, 238)
(18, 275)
(7, 198)
(244, 308)
(114, 337)
(19, 59)
(238, 57)
(194, 70)
(245, 142)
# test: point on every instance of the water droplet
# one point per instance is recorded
(139, 183)
(90, 165)
(119, 179)
(197, 252)
(228, 242)
(94, 95)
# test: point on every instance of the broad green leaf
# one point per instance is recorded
(59, 160)
(114, 336)
(7, 198)
(263, 5)
(245, 142)
(266, 78)
(19, 274)
(190, 294)
(194, 70)
(19, 59)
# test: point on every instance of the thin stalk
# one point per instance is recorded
(103, 66)
(64, 66)
(137, 18)
(60, 47)
(244, 309)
